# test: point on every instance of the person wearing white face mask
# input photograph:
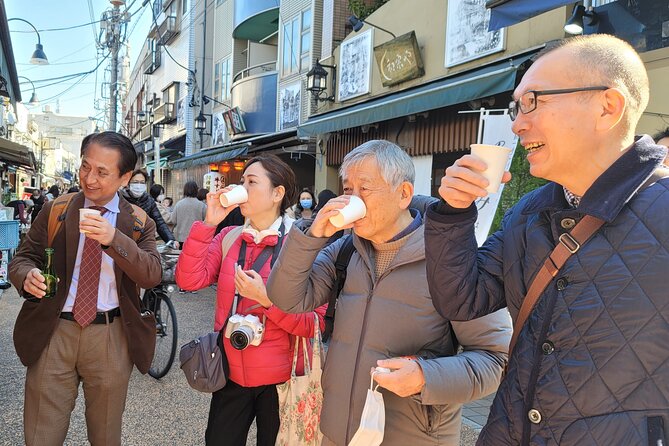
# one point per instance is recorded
(136, 194)
(305, 205)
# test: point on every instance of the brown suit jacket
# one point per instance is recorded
(135, 265)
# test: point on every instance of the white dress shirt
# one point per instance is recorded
(107, 294)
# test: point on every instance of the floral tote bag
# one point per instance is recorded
(301, 399)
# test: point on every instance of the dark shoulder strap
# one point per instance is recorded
(341, 264)
(57, 216)
(569, 243)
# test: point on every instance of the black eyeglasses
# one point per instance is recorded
(527, 102)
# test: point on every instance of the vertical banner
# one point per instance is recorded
(423, 182)
(496, 131)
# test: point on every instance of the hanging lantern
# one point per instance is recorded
(225, 167)
(213, 167)
(238, 165)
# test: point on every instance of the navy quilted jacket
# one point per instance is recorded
(591, 366)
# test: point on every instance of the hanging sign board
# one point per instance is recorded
(399, 60)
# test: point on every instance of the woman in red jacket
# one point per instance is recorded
(255, 368)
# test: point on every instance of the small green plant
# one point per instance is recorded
(362, 9)
(521, 183)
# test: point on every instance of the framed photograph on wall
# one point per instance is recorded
(355, 66)
(467, 35)
(290, 101)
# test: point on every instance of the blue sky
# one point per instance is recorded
(69, 52)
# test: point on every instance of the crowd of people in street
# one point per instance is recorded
(562, 311)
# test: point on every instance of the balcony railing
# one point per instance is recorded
(151, 61)
(142, 133)
(168, 30)
(164, 113)
(255, 69)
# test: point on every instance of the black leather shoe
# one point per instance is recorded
(5, 285)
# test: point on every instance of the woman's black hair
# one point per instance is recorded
(190, 189)
(280, 174)
(156, 190)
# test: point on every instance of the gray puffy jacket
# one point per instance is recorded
(392, 317)
(591, 366)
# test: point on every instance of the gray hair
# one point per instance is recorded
(394, 163)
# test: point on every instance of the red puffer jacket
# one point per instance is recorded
(200, 265)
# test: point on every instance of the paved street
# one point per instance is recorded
(158, 412)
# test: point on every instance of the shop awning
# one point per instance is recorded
(486, 81)
(150, 165)
(235, 149)
(509, 12)
(14, 153)
(211, 156)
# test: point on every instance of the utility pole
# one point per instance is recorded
(113, 22)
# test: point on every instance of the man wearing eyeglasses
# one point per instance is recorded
(590, 364)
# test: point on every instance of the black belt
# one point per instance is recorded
(101, 317)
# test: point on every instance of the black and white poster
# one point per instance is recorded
(355, 60)
(181, 114)
(219, 133)
(467, 35)
(290, 101)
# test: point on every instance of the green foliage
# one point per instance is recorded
(521, 183)
(362, 10)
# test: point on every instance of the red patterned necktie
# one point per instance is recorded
(86, 302)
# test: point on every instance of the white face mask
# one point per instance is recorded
(373, 420)
(137, 189)
(160, 198)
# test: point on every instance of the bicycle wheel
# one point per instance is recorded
(166, 332)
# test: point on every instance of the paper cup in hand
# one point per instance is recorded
(84, 213)
(237, 195)
(496, 158)
(354, 210)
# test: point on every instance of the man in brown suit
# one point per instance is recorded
(82, 334)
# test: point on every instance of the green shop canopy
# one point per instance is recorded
(487, 81)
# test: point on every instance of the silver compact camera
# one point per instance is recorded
(244, 331)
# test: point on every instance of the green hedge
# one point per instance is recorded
(521, 183)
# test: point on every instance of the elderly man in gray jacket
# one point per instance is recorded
(385, 313)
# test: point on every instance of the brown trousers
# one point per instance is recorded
(97, 356)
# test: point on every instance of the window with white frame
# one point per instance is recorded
(222, 79)
(296, 43)
(305, 41)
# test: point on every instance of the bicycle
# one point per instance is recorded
(158, 301)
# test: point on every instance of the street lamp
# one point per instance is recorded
(317, 81)
(33, 98)
(38, 57)
(574, 25)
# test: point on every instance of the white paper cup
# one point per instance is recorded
(237, 195)
(496, 158)
(354, 210)
(84, 213)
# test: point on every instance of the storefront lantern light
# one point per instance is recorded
(238, 165)
(213, 167)
(317, 81)
(141, 117)
(225, 167)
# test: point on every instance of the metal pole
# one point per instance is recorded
(115, 44)
(204, 58)
(156, 157)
